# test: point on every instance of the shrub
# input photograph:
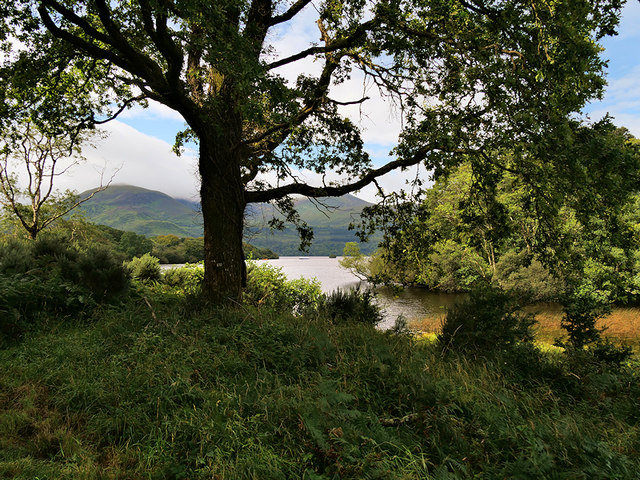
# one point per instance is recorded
(356, 305)
(16, 256)
(188, 278)
(582, 309)
(49, 275)
(145, 268)
(488, 320)
(524, 276)
(268, 286)
(102, 273)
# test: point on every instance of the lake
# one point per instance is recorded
(413, 303)
(425, 309)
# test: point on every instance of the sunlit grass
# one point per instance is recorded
(621, 326)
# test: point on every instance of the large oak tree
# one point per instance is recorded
(468, 76)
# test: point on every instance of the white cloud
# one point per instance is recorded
(154, 111)
(137, 159)
(624, 90)
(630, 20)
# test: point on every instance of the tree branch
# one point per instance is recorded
(354, 102)
(258, 22)
(339, 190)
(343, 43)
(124, 106)
(161, 37)
(289, 14)
(77, 42)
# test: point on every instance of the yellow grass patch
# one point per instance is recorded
(622, 325)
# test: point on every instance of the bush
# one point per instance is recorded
(145, 268)
(342, 306)
(268, 286)
(488, 320)
(102, 273)
(188, 279)
(582, 309)
(526, 277)
(51, 257)
(16, 256)
(47, 276)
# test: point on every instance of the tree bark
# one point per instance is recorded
(223, 203)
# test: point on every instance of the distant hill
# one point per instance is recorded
(142, 211)
(330, 218)
(152, 213)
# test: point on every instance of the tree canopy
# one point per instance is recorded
(576, 237)
(469, 77)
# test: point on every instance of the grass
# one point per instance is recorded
(621, 326)
(188, 392)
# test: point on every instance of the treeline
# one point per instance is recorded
(127, 245)
(500, 229)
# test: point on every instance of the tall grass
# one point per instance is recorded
(175, 390)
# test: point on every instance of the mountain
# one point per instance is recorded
(152, 213)
(330, 218)
(143, 211)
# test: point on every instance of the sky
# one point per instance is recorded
(137, 149)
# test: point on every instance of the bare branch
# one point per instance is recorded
(341, 44)
(355, 102)
(124, 106)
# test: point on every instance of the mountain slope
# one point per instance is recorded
(152, 213)
(330, 218)
(142, 211)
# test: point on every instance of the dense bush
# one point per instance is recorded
(49, 275)
(267, 286)
(145, 268)
(524, 276)
(355, 305)
(187, 279)
(177, 250)
(486, 321)
(134, 245)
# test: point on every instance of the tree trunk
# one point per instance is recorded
(223, 204)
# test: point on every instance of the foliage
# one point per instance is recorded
(526, 278)
(558, 239)
(134, 245)
(526, 68)
(187, 279)
(48, 276)
(145, 268)
(354, 261)
(354, 305)
(253, 252)
(486, 322)
(243, 394)
(268, 287)
(176, 250)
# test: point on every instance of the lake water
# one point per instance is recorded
(412, 303)
(425, 309)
